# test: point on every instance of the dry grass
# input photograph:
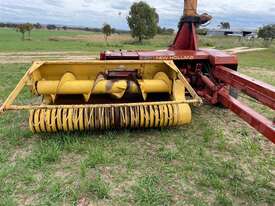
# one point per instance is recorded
(93, 37)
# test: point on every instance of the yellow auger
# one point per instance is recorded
(101, 95)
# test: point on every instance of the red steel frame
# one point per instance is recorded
(213, 86)
(256, 120)
(186, 38)
(262, 92)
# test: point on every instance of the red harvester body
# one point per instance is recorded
(212, 73)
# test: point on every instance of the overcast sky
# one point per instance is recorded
(93, 13)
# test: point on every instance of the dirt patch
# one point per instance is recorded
(83, 202)
(25, 200)
(28, 57)
(63, 170)
(239, 50)
(92, 38)
(258, 70)
(21, 153)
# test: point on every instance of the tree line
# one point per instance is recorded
(142, 20)
(58, 27)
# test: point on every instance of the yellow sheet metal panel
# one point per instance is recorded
(88, 70)
(178, 90)
(54, 80)
(55, 70)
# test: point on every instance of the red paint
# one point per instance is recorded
(213, 84)
(186, 38)
(261, 91)
(253, 118)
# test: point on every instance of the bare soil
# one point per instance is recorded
(28, 57)
(239, 50)
(92, 38)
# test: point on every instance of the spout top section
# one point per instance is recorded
(190, 7)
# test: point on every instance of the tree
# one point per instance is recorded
(22, 29)
(202, 31)
(267, 32)
(107, 31)
(114, 31)
(29, 28)
(51, 27)
(164, 30)
(37, 25)
(224, 25)
(143, 21)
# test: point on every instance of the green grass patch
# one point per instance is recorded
(263, 59)
(45, 153)
(99, 188)
(227, 42)
(223, 200)
(95, 157)
(149, 192)
(45, 40)
(167, 154)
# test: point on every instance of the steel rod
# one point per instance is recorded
(28, 107)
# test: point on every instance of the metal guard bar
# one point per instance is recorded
(258, 90)
(256, 120)
(261, 91)
(28, 107)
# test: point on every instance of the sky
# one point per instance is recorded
(94, 13)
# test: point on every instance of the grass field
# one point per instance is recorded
(44, 40)
(216, 160)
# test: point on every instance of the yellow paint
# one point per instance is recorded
(50, 79)
(78, 119)
(69, 85)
